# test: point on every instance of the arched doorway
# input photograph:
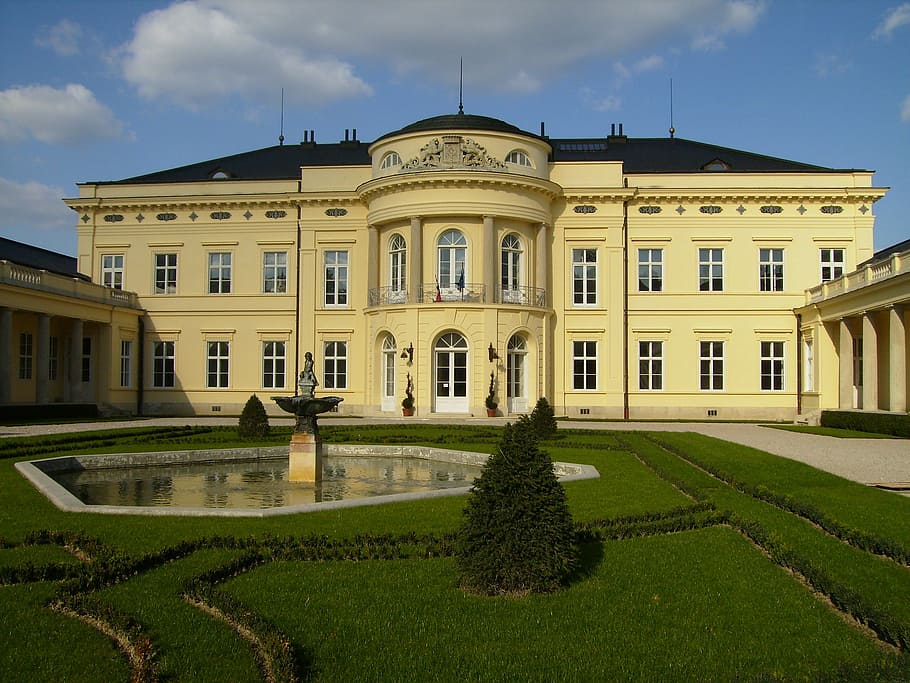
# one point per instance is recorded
(517, 374)
(450, 367)
(387, 380)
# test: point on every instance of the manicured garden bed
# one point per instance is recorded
(701, 560)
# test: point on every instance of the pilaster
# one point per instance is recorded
(845, 358)
(870, 363)
(897, 348)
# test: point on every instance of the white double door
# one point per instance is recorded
(451, 374)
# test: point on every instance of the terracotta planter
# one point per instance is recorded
(491, 412)
(407, 412)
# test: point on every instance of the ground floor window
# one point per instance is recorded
(126, 363)
(584, 364)
(26, 349)
(273, 364)
(809, 366)
(711, 365)
(218, 362)
(163, 364)
(52, 355)
(86, 359)
(772, 366)
(651, 365)
(335, 365)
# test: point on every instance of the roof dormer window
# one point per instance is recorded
(219, 175)
(519, 158)
(390, 160)
(716, 165)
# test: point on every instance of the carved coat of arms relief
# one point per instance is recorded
(453, 151)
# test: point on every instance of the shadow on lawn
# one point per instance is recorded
(590, 555)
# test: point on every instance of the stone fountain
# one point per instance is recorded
(305, 455)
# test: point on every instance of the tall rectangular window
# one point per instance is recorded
(26, 349)
(165, 273)
(335, 365)
(52, 358)
(711, 365)
(275, 272)
(126, 363)
(112, 270)
(651, 365)
(218, 365)
(809, 366)
(86, 359)
(220, 272)
(584, 277)
(650, 270)
(832, 263)
(772, 366)
(336, 278)
(163, 364)
(273, 365)
(771, 270)
(711, 270)
(584, 364)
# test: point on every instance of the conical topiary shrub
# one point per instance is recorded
(254, 422)
(517, 535)
(543, 421)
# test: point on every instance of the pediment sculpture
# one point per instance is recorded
(453, 151)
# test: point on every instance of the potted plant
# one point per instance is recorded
(407, 403)
(490, 400)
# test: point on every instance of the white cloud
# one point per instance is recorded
(599, 102)
(69, 115)
(905, 110)
(33, 206)
(739, 16)
(895, 18)
(200, 51)
(63, 38)
(830, 65)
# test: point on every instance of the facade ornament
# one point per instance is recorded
(453, 152)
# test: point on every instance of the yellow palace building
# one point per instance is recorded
(616, 276)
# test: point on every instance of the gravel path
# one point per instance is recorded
(868, 461)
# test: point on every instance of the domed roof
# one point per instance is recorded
(459, 121)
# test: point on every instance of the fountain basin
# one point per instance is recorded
(42, 474)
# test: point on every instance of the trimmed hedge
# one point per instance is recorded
(895, 424)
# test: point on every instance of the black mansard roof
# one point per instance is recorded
(639, 155)
(38, 258)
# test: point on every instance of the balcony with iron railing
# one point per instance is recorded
(871, 274)
(45, 281)
(472, 292)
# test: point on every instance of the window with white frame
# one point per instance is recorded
(519, 158)
(53, 351)
(584, 364)
(218, 364)
(832, 263)
(275, 272)
(771, 270)
(273, 364)
(126, 363)
(165, 273)
(112, 270)
(651, 365)
(86, 359)
(336, 278)
(26, 350)
(772, 366)
(808, 365)
(451, 254)
(510, 266)
(335, 365)
(398, 263)
(163, 364)
(711, 365)
(650, 270)
(711, 270)
(584, 277)
(220, 272)
(390, 160)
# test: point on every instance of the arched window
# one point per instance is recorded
(390, 160)
(389, 354)
(398, 262)
(519, 158)
(451, 373)
(452, 248)
(516, 373)
(510, 268)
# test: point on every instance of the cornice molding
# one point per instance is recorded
(849, 195)
(386, 185)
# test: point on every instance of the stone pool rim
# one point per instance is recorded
(39, 472)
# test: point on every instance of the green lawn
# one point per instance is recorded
(702, 560)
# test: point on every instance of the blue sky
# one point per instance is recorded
(108, 89)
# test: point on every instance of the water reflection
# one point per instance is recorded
(261, 483)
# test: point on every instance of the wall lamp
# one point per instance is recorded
(408, 353)
(492, 353)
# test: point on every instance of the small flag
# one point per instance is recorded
(438, 293)
(460, 283)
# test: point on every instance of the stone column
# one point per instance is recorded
(490, 259)
(74, 372)
(372, 258)
(845, 357)
(6, 361)
(897, 348)
(415, 259)
(542, 252)
(870, 363)
(42, 358)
